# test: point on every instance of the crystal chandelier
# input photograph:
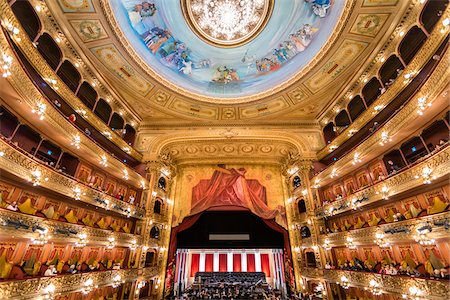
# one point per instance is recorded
(227, 22)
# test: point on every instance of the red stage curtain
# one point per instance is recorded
(237, 263)
(223, 263)
(209, 262)
(187, 223)
(195, 264)
(251, 262)
(275, 226)
(265, 266)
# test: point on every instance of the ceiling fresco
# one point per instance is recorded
(295, 32)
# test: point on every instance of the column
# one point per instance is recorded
(230, 262)
(202, 262)
(216, 262)
(258, 262)
(244, 261)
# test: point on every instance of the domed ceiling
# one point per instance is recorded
(227, 48)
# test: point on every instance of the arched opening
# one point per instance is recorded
(435, 135)
(87, 95)
(296, 182)
(305, 232)
(342, 119)
(9, 122)
(162, 183)
(49, 50)
(48, 153)
(371, 91)
(154, 232)
(411, 44)
(27, 139)
(150, 258)
(157, 206)
(328, 132)
(103, 110)
(413, 149)
(393, 161)
(390, 70)
(70, 75)
(27, 17)
(130, 134)
(116, 122)
(68, 164)
(356, 107)
(310, 258)
(432, 12)
(301, 205)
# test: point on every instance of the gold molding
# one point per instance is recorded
(22, 165)
(42, 67)
(432, 43)
(439, 163)
(195, 97)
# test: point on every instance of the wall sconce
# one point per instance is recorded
(43, 237)
(423, 239)
(414, 293)
(77, 193)
(384, 139)
(117, 281)
(39, 110)
(316, 184)
(384, 192)
(36, 177)
(125, 174)
(88, 286)
(111, 243)
(356, 158)
(352, 132)
(142, 283)
(373, 288)
(379, 240)
(107, 134)
(76, 142)
(292, 170)
(332, 148)
(422, 105)
(326, 245)
(6, 64)
(127, 150)
(334, 173)
(133, 245)
(49, 290)
(104, 161)
(426, 175)
(349, 243)
(82, 112)
(143, 186)
(343, 282)
(82, 242)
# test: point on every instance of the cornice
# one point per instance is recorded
(42, 67)
(22, 165)
(414, 67)
(436, 83)
(438, 163)
(194, 97)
